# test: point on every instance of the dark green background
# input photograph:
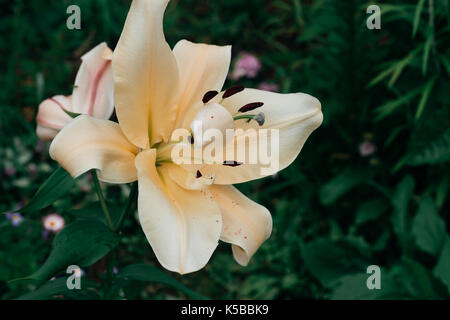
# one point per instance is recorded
(335, 212)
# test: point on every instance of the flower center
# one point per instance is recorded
(213, 121)
(214, 116)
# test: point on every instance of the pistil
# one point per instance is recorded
(260, 118)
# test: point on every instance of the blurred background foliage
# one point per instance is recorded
(369, 188)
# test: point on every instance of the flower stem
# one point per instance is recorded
(110, 260)
(249, 117)
(98, 189)
(129, 206)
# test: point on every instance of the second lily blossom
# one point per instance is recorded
(92, 95)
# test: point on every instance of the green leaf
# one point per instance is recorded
(417, 14)
(57, 288)
(428, 228)
(381, 76)
(81, 243)
(442, 269)
(436, 151)
(371, 210)
(426, 51)
(399, 66)
(94, 211)
(418, 281)
(424, 99)
(400, 201)
(57, 185)
(329, 260)
(391, 106)
(441, 192)
(73, 115)
(341, 184)
(446, 63)
(145, 272)
(354, 287)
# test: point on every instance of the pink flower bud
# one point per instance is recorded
(92, 95)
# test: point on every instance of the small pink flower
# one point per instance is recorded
(92, 94)
(40, 147)
(16, 218)
(32, 169)
(247, 65)
(79, 273)
(269, 87)
(367, 148)
(10, 171)
(53, 222)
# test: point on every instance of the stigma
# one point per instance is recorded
(212, 116)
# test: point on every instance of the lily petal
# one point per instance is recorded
(145, 75)
(182, 226)
(94, 84)
(51, 117)
(202, 68)
(46, 134)
(189, 180)
(295, 115)
(246, 224)
(88, 143)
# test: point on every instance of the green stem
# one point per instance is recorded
(98, 189)
(129, 206)
(249, 117)
(110, 260)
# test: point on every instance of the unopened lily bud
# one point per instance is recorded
(211, 116)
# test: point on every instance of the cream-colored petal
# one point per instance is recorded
(146, 76)
(189, 180)
(182, 226)
(51, 117)
(88, 143)
(246, 224)
(202, 68)
(295, 115)
(94, 84)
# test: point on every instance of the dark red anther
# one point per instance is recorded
(209, 95)
(251, 106)
(232, 163)
(232, 91)
(191, 139)
(199, 174)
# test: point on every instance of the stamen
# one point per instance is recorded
(232, 91)
(199, 174)
(260, 118)
(232, 163)
(251, 106)
(209, 95)
(191, 139)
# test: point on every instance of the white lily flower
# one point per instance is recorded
(92, 95)
(183, 211)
